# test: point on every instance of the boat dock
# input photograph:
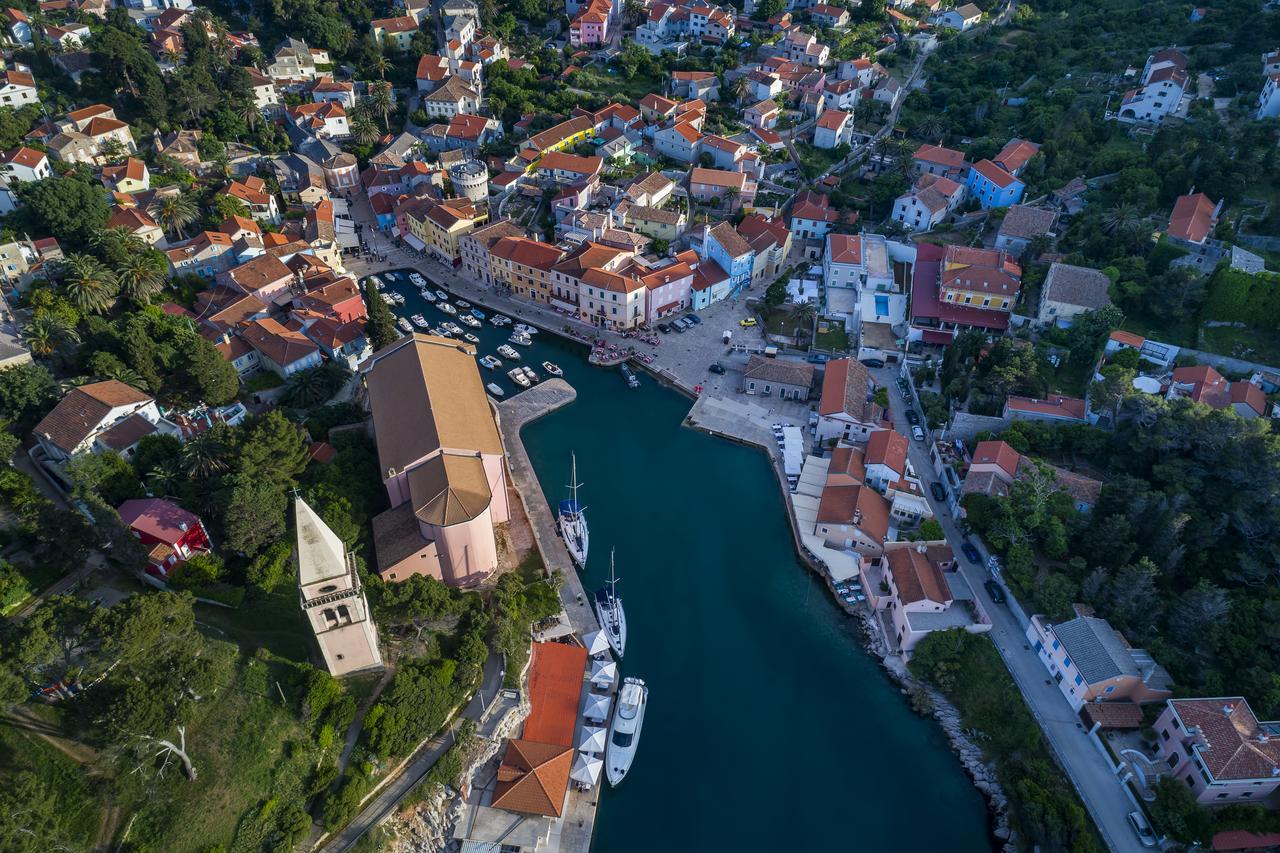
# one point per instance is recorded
(578, 822)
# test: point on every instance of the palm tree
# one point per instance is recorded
(380, 101)
(804, 315)
(90, 285)
(143, 275)
(363, 130)
(929, 128)
(251, 114)
(741, 88)
(380, 64)
(164, 479)
(116, 245)
(175, 213)
(46, 335)
(1121, 219)
(309, 387)
(204, 455)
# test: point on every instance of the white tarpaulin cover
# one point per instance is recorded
(604, 672)
(596, 643)
(792, 451)
(586, 769)
(597, 707)
(592, 739)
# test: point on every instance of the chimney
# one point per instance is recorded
(857, 516)
(1227, 709)
(182, 525)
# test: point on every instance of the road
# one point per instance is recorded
(1099, 788)
(394, 791)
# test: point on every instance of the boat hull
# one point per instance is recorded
(613, 620)
(625, 730)
(577, 538)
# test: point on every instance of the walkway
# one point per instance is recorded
(1102, 793)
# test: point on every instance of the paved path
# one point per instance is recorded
(384, 803)
(1101, 791)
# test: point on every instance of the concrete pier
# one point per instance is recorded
(578, 823)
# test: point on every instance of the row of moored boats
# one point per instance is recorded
(628, 717)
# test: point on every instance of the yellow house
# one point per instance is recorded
(524, 265)
(396, 31)
(979, 278)
(655, 222)
(566, 134)
(439, 225)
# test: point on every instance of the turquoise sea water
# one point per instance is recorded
(768, 726)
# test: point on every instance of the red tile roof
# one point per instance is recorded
(1193, 218)
(998, 453)
(889, 448)
(555, 686)
(1236, 748)
(1054, 405)
(158, 518)
(942, 156)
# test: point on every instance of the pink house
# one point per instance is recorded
(926, 594)
(668, 290)
(592, 24)
(441, 460)
(1220, 749)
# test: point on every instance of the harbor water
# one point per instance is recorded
(769, 727)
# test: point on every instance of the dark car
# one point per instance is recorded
(912, 417)
(970, 553)
(993, 589)
(872, 362)
(938, 490)
(664, 328)
(717, 369)
(694, 319)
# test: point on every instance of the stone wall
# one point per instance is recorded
(965, 426)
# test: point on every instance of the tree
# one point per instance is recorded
(32, 815)
(1177, 814)
(272, 567)
(174, 213)
(225, 206)
(208, 376)
(89, 284)
(206, 454)
(379, 323)
(380, 102)
(273, 451)
(69, 208)
(199, 570)
(107, 475)
(363, 129)
(143, 275)
(255, 514)
(27, 391)
(1110, 391)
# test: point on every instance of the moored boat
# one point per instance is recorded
(530, 375)
(630, 376)
(452, 328)
(488, 361)
(613, 620)
(405, 325)
(420, 321)
(470, 338)
(500, 320)
(572, 518)
(624, 731)
(521, 340)
(447, 308)
(552, 369)
(428, 295)
(518, 377)
(462, 303)
(524, 329)
(495, 389)
(442, 296)
(441, 333)
(469, 320)
(477, 313)
(508, 352)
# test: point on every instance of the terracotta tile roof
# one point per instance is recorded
(984, 270)
(260, 272)
(1235, 745)
(845, 248)
(1193, 218)
(889, 448)
(812, 206)
(100, 126)
(657, 103)
(17, 78)
(846, 388)
(1128, 338)
(717, 178)
(530, 253)
(23, 156)
(833, 119)
(998, 453)
(533, 778)
(561, 161)
(555, 686)
(1015, 154)
(857, 505)
(401, 24)
(275, 341)
(1250, 395)
(1055, 405)
(994, 174)
(133, 218)
(83, 409)
(937, 154)
(917, 576)
(127, 433)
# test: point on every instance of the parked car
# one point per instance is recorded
(680, 325)
(917, 433)
(694, 319)
(872, 362)
(747, 323)
(717, 369)
(970, 552)
(938, 491)
(912, 417)
(665, 328)
(995, 591)
(1142, 828)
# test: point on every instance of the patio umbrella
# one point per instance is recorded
(586, 769)
(597, 707)
(592, 739)
(604, 672)
(596, 643)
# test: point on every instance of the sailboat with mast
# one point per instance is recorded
(613, 621)
(572, 518)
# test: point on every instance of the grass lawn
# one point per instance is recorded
(1179, 334)
(782, 322)
(815, 161)
(65, 781)
(1261, 345)
(835, 338)
(273, 622)
(597, 81)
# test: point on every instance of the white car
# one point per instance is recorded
(1143, 829)
(917, 433)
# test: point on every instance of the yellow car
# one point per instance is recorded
(747, 323)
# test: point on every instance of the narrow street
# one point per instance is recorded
(1101, 790)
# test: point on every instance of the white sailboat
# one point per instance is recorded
(624, 731)
(573, 522)
(613, 621)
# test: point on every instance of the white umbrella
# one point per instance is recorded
(592, 739)
(586, 769)
(597, 707)
(596, 643)
(604, 672)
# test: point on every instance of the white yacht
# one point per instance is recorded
(524, 329)
(573, 521)
(427, 295)
(624, 731)
(442, 296)
(521, 340)
(609, 611)
(420, 321)
(495, 389)
(405, 325)
(446, 308)
(518, 377)
(509, 352)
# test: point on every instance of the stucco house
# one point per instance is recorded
(1092, 662)
(1069, 291)
(846, 409)
(786, 378)
(1223, 752)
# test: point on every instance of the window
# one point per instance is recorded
(1066, 663)
(1056, 645)
(1191, 781)
(1173, 760)
(1164, 733)
(1079, 680)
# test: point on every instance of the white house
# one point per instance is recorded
(928, 203)
(863, 263)
(18, 88)
(99, 416)
(833, 129)
(960, 18)
(1164, 81)
(846, 409)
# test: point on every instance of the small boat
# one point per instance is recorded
(524, 329)
(477, 313)
(630, 376)
(462, 303)
(417, 279)
(447, 308)
(508, 352)
(405, 325)
(624, 731)
(470, 338)
(518, 377)
(500, 320)
(377, 282)
(442, 296)
(427, 295)
(609, 611)
(552, 369)
(521, 340)
(490, 363)
(451, 328)
(530, 375)
(419, 321)
(496, 390)
(386, 297)
(441, 333)
(572, 519)
(469, 320)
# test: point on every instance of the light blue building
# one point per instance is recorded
(992, 186)
(724, 245)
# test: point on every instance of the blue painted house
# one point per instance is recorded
(992, 186)
(724, 245)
